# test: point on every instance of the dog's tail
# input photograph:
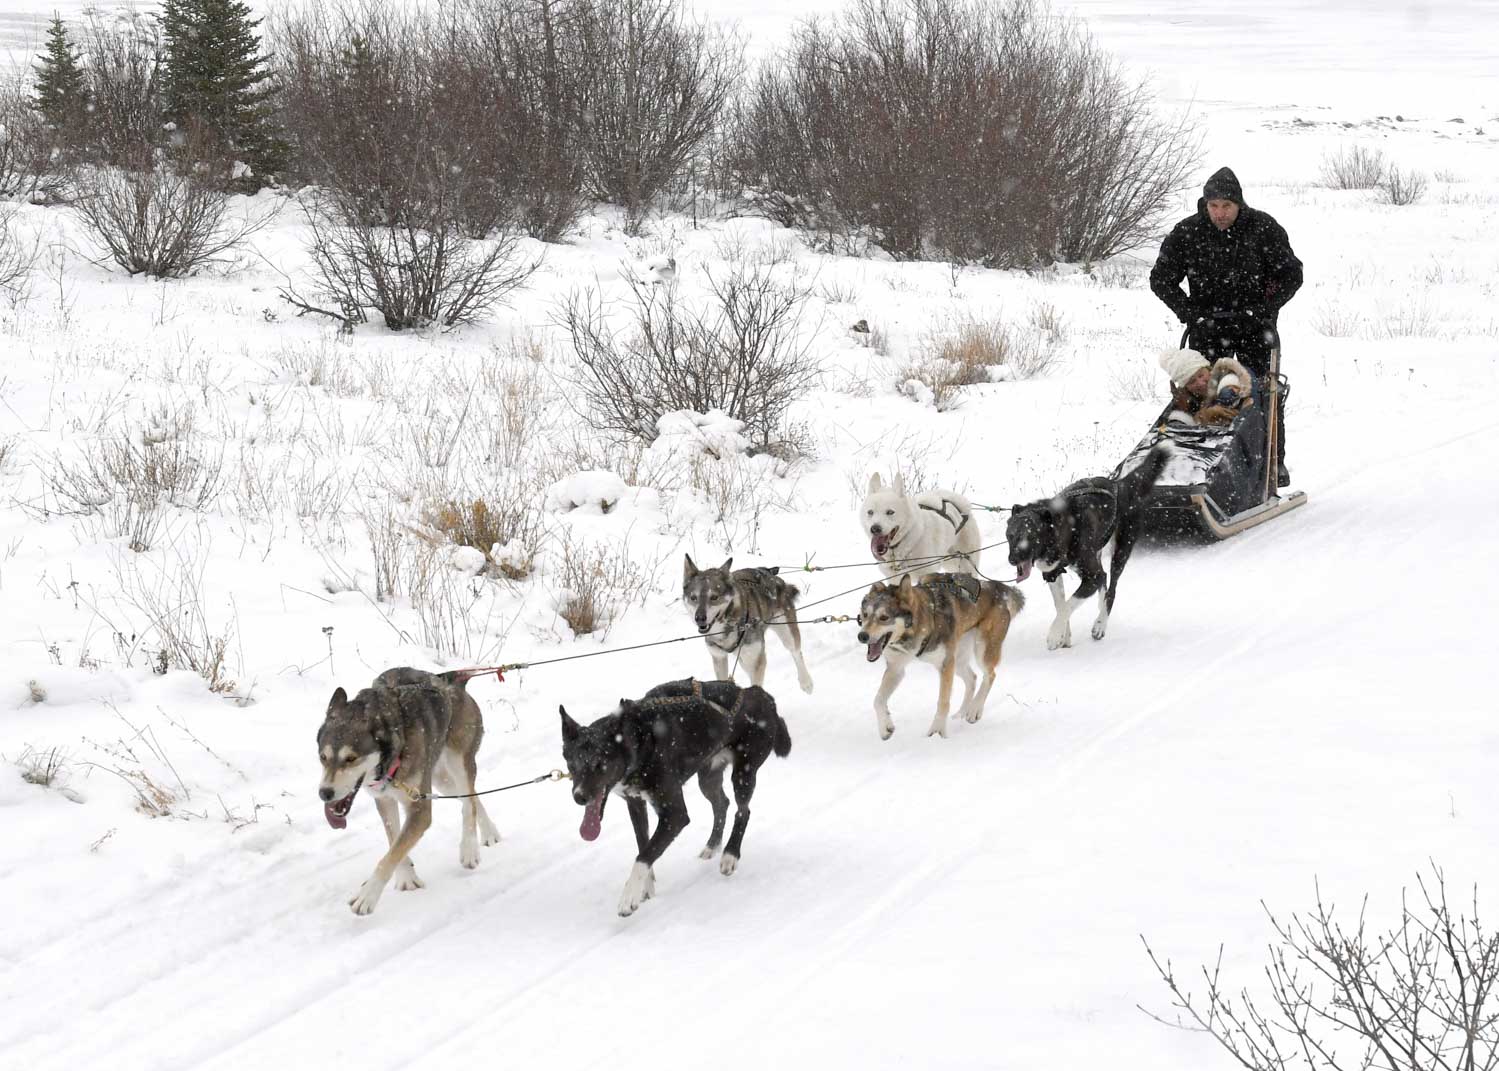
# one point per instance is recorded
(782, 742)
(780, 734)
(1135, 485)
(1013, 598)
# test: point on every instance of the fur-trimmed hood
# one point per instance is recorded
(1226, 368)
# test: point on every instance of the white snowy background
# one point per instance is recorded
(1309, 703)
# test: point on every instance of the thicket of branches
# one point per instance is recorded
(1417, 996)
(741, 352)
(989, 133)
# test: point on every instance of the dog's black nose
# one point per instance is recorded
(863, 637)
(578, 796)
(325, 794)
(875, 529)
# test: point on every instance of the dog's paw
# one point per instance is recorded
(886, 732)
(406, 880)
(728, 864)
(640, 886)
(468, 853)
(939, 728)
(489, 836)
(1058, 638)
(1100, 627)
(972, 714)
(709, 852)
(806, 682)
(367, 897)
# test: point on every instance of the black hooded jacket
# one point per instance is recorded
(1249, 267)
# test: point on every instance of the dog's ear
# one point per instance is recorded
(905, 584)
(570, 728)
(338, 701)
(689, 568)
(900, 485)
(875, 483)
(728, 565)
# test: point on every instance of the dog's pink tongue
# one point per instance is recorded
(879, 544)
(593, 818)
(1025, 570)
(336, 820)
(874, 651)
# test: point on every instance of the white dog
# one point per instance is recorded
(916, 534)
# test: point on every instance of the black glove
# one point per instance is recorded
(1229, 397)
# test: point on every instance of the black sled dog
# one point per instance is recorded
(647, 749)
(1072, 529)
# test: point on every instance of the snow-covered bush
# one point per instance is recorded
(742, 352)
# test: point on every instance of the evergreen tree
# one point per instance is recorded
(215, 74)
(61, 92)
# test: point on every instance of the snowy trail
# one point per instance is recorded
(876, 876)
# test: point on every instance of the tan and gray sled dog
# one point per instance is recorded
(919, 534)
(733, 608)
(946, 619)
(397, 738)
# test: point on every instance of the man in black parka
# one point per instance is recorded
(1240, 270)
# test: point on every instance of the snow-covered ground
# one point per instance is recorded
(1309, 702)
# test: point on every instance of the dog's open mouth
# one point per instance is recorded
(337, 812)
(1023, 569)
(593, 817)
(879, 543)
(877, 647)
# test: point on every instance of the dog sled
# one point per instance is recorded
(1219, 480)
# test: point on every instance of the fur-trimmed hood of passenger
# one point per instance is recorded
(1223, 368)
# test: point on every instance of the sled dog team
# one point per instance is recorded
(412, 732)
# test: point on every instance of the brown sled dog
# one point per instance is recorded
(945, 619)
(408, 730)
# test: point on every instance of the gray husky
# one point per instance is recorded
(408, 730)
(734, 607)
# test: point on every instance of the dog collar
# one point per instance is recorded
(389, 775)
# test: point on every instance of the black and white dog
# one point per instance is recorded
(647, 749)
(1072, 530)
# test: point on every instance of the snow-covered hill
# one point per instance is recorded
(1309, 702)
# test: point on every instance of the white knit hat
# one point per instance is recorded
(1182, 365)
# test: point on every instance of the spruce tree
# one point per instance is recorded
(214, 73)
(61, 92)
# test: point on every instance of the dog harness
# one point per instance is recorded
(958, 526)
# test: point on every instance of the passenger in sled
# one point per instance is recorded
(1203, 393)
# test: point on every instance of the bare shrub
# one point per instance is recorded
(1420, 995)
(744, 354)
(1409, 319)
(507, 530)
(45, 769)
(958, 130)
(1136, 381)
(1402, 187)
(1336, 321)
(655, 86)
(168, 220)
(171, 598)
(418, 272)
(17, 257)
(383, 101)
(123, 66)
(1353, 167)
(128, 482)
(33, 165)
(594, 584)
(321, 364)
